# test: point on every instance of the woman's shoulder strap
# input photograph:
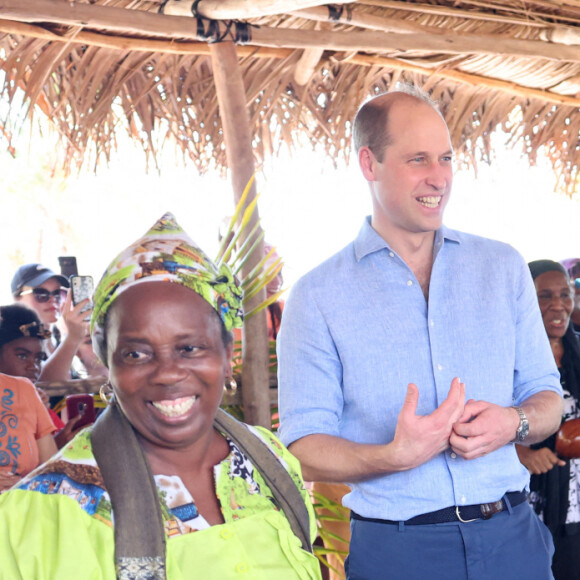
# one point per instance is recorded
(280, 482)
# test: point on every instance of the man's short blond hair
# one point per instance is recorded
(371, 123)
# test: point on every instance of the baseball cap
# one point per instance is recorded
(34, 275)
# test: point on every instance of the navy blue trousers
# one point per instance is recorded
(512, 545)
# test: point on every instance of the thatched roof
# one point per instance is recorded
(306, 68)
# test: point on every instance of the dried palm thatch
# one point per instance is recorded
(96, 67)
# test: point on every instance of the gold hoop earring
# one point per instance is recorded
(106, 393)
(231, 386)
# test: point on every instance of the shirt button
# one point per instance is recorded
(431, 323)
(391, 254)
(463, 499)
(453, 455)
(226, 534)
(241, 568)
(439, 367)
(409, 282)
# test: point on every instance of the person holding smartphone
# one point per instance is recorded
(41, 289)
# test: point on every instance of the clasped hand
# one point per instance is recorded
(471, 429)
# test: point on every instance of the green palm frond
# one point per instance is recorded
(259, 277)
(226, 242)
(258, 272)
(269, 300)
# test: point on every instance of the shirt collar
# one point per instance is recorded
(369, 241)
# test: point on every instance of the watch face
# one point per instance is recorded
(524, 426)
(523, 430)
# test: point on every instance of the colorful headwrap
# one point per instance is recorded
(167, 254)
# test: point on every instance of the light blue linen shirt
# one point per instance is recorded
(357, 329)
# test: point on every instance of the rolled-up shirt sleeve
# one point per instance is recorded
(534, 369)
(309, 370)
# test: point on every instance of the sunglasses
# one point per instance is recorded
(43, 295)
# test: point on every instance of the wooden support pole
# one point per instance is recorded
(237, 137)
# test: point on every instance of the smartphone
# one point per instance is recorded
(81, 405)
(82, 287)
(68, 266)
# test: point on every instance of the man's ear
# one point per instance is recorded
(367, 162)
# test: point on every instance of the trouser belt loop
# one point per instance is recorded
(508, 503)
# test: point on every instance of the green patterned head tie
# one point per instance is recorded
(167, 254)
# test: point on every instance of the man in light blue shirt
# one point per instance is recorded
(410, 362)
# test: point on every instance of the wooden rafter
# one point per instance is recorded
(200, 48)
(528, 17)
(237, 9)
(356, 17)
(469, 79)
(137, 22)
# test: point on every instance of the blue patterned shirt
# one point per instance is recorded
(357, 329)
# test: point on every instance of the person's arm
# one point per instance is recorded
(417, 440)
(46, 447)
(7, 480)
(538, 461)
(485, 427)
(57, 367)
(536, 388)
(67, 433)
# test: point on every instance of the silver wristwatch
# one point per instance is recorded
(524, 426)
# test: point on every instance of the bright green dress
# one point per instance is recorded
(57, 523)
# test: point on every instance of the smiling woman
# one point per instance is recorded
(162, 318)
(168, 362)
(555, 478)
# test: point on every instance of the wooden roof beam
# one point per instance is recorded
(355, 17)
(124, 43)
(528, 18)
(140, 23)
(468, 78)
(237, 9)
(350, 15)
(198, 48)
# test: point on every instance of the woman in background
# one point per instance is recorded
(555, 483)
(45, 292)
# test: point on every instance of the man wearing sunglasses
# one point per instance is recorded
(41, 289)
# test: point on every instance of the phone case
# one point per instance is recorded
(82, 287)
(81, 405)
